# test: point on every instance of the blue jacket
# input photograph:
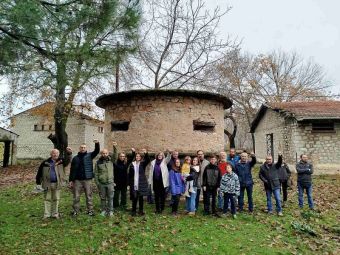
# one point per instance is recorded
(233, 160)
(243, 171)
(82, 165)
(176, 183)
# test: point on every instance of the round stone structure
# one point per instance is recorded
(157, 120)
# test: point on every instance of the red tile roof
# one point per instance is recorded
(309, 109)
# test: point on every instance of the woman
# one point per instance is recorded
(176, 185)
(159, 179)
(138, 182)
(194, 175)
(121, 167)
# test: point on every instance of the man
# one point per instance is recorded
(211, 185)
(269, 174)
(171, 163)
(233, 158)
(284, 175)
(202, 163)
(304, 181)
(81, 176)
(51, 177)
(103, 174)
(243, 171)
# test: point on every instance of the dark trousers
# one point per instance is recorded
(210, 193)
(159, 192)
(228, 197)
(284, 187)
(120, 194)
(136, 198)
(175, 202)
(198, 193)
(249, 190)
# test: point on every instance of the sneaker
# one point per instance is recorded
(46, 217)
(191, 190)
(110, 214)
(280, 214)
(186, 194)
(133, 213)
(234, 216)
(270, 212)
(103, 213)
(191, 213)
(141, 213)
(56, 216)
(90, 213)
(217, 215)
(224, 215)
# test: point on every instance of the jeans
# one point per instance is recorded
(309, 189)
(78, 186)
(106, 196)
(249, 190)
(51, 201)
(120, 194)
(175, 202)
(220, 200)
(228, 197)
(210, 193)
(277, 197)
(191, 201)
(198, 193)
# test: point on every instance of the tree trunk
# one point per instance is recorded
(232, 135)
(60, 138)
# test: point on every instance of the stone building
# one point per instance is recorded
(34, 126)
(165, 119)
(8, 147)
(294, 128)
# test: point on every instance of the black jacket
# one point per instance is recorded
(304, 171)
(211, 177)
(269, 174)
(284, 173)
(121, 172)
(143, 185)
(82, 165)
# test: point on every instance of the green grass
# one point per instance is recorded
(23, 231)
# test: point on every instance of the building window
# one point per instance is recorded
(100, 129)
(35, 127)
(120, 125)
(326, 127)
(42, 127)
(204, 126)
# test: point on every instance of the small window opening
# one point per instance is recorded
(204, 126)
(120, 125)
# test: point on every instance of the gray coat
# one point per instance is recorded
(203, 165)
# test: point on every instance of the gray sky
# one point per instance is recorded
(309, 27)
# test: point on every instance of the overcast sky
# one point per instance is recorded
(309, 27)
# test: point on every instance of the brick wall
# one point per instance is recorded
(158, 123)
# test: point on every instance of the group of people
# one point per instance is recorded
(223, 178)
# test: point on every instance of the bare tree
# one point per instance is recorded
(276, 77)
(178, 41)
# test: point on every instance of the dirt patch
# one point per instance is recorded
(13, 175)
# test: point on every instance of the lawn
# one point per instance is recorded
(23, 231)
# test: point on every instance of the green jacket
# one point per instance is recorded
(103, 172)
(43, 175)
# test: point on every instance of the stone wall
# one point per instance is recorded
(35, 144)
(158, 123)
(293, 139)
(6, 136)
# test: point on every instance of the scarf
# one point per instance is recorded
(136, 177)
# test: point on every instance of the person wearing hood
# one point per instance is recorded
(138, 182)
(211, 184)
(269, 175)
(121, 164)
(50, 177)
(81, 175)
(304, 170)
(159, 179)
